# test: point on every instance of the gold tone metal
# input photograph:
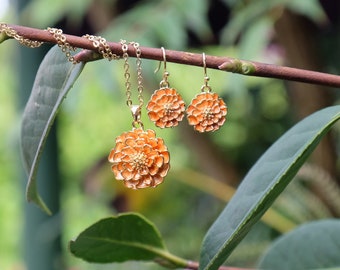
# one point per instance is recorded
(135, 109)
(135, 164)
(136, 114)
(205, 87)
(164, 83)
(160, 62)
(62, 43)
(103, 47)
(126, 72)
(97, 41)
(166, 106)
(10, 32)
(207, 110)
(139, 159)
(139, 73)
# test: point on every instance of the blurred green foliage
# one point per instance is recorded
(11, 190)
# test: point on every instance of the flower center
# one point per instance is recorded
(139, 161)
(167, 109)
(207, 113)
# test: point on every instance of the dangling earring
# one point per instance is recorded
(139, 158)
(166, 107)
(207, 110)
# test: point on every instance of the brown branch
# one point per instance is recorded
(229, 64)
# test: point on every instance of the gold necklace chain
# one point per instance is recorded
(103, 47)
(97, 41)
(62, 43)
(127, 72)
(135, 109)
(10, 32)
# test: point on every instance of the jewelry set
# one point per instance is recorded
(139, 158)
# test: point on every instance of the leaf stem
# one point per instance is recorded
(170, 260)
(194, 266)
(229, 64)
(3, 37)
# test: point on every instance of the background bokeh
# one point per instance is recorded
(205, 167)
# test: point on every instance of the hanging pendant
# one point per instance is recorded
(140, 159)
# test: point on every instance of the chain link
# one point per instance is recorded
(139, 73)
(62, 43)
(10, 32)
(98, 42)
(126, 72)
(135, 109)
(103, 47)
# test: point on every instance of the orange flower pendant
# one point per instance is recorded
(166, 107)
(140, 159)
(207, 112)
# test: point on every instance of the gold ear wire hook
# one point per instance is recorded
(164, 58)
(206, 78)
(204, 64)
(164, 83)
(158, 68)
(160, 62)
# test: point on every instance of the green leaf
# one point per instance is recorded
(261, 186)
(126, 237)
(245, 15)
(194, 12)
(51, 12)
(54, 79)
(251, 46)
(159, 18)
(311, 246)
(309, 8)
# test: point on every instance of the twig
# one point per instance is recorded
(195, 265)
(229, 64)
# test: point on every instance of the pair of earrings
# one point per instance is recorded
(205, 113)
(139, 158)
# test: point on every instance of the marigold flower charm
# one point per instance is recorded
(207, 112)
(140, 159)
(166, 108)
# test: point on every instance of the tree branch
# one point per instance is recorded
(229, 64)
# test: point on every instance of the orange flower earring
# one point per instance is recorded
(166, 107)
(139, 159)
(207, 110)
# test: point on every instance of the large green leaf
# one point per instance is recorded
(311, 246)
(126, 237)
(54, 79)
(261, 186)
